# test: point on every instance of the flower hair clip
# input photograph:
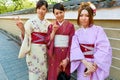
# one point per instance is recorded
(93, 8)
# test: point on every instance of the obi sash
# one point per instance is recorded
(88, 50)
(38, 37)
(61, 41)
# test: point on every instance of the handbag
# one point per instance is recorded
(62, 76)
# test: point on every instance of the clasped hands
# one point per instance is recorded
(90, 67)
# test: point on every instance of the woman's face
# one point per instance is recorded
(84, 18)
(41, 12)
(59, 14)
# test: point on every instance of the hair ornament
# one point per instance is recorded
(93, 8)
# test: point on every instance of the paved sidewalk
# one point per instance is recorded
(11, 68)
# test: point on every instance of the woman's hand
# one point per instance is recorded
(55, 27)
(90, 67)
(88, 72)
(19, 23)
(63, 64)
(95, 65)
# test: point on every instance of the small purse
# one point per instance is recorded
(62, 76)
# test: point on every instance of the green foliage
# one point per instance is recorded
(13, 5)
(55, 1)
(51, 1)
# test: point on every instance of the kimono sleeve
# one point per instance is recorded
(49, 43)
(72, 31)
(103, 53)
(75, 54)
(25, 47)
(47, 39)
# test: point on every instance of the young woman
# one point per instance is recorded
(90, 50)
(59, 41)
(33, 44)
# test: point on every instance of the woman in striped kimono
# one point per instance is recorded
(90, 50)
(33, 45)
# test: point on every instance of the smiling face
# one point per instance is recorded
(41, 11)
(59, 14)
(84, 18)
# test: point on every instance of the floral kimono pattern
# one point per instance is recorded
(36, 57)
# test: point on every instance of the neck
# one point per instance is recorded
(85, 27)
(60, 21)
(41, 17)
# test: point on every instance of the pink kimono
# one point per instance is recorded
(93, 45)
(56, 51)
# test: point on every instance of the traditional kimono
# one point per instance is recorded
(59, 48)
(34, 48)
(93, 45)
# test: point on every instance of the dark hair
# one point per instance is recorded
(85, 6)
(41, 3)
(58, 6)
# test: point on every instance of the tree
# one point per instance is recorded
(3, 5)
(13, 5)
(22, 4)
(55, 1)
(18, 4)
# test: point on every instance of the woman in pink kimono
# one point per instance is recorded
(59, 41)
(33, 45)
(90, 50)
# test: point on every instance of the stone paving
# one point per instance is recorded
(11, 68)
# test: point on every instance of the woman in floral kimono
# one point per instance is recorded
(90, 50)
(59, 41)
(33, 45)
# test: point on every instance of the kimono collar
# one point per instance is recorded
(41, 21)
(60, 23)
(85, 29)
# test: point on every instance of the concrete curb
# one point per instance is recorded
(13, 37)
